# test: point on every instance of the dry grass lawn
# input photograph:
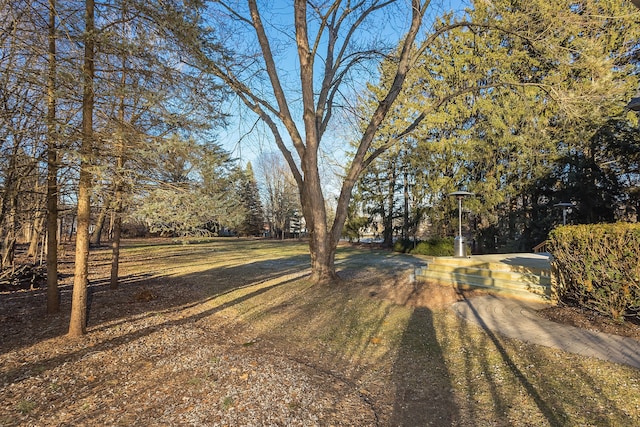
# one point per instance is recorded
(230, 332)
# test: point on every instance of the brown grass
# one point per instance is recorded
(230, 331)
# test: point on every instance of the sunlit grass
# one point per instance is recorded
(485, 378)
(491, 379)
(168, 257)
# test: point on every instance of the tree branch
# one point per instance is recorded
(284, 114)
(404, 63)
(442, 101)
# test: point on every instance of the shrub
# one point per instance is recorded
(403, 246)
(433, 247)
(597, 267)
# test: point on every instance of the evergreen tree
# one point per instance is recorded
(253, 223)
(192, 190)
(494, 105)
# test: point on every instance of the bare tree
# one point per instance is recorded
(78, 320)
(20, 130)
(281, 199)
(53, 299)
(332, 42)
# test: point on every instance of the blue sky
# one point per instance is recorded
(246, 138)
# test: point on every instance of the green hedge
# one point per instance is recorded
(433, 247)
(598, 267)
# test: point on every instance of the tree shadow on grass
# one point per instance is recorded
(424, 393)
(42, 365)
(552, 413)
(25, 322)
(566, 390)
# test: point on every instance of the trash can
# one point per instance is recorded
(458, 247)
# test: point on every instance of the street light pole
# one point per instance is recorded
(564, 206)
(458, 244)
(460, 216)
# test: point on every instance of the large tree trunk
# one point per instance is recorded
(115, 245)
(78, 320)
(321, 243)
(36, 232)
(102, 216)
(323, 253)
(53, 297)
(322, 248)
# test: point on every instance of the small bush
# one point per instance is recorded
(435, 247)
(432, 247)
(403, 246)
(598, 267)
(26, 406)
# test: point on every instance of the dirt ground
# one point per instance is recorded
(145, 347)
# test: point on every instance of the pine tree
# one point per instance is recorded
(253, 223)
(493, 104)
